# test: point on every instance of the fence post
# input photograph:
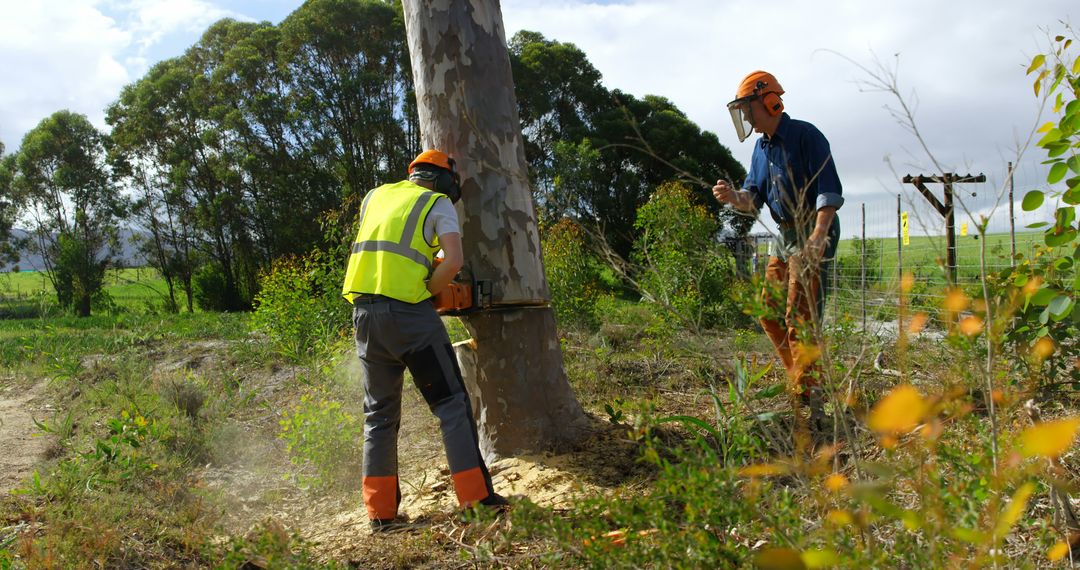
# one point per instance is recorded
(899, 244)
(1012, 218)
(862, 267)
(899, 264)
(835, 269)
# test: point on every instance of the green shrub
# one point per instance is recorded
(573, 274)
(1042, 289)
(273, 546)
(683, 268)
(211, 289)
(77, 275)
(320, 435)
(299, 305)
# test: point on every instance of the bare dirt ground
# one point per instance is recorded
(257, 486)
(21, 443)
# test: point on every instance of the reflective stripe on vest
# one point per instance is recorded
(390, 255)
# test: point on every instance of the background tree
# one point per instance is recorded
(350, 69)
(597, 155)
(241, 145)
(73, 207)
(9, 248)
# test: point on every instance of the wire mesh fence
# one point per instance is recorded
(904, 239)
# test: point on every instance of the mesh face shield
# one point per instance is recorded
(740, 115)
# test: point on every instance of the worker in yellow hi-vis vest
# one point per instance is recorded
(390, 280)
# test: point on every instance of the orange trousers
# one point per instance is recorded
(799, 287)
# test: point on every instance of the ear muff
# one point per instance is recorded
(770, 99)
(773, 104)
(449, 182)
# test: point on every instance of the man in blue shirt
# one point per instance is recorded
(793, 173)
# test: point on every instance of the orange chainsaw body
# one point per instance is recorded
(456, 297)
(462, 298)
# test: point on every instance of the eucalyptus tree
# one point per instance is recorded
(465, 94)
(72, 205)
(348, 62)
(162, 215)
(180, 156)
(597, 155)
(9, 249)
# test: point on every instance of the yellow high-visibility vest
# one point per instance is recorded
(390, 256)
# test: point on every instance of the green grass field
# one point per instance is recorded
(923, 253)
(29, 293)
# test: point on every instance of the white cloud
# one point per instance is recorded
(963, 61)
(78, 54)
(152, 20)
(56, 58)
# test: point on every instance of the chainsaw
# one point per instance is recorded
(462, 297)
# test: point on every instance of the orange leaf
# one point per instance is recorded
(1015, 510)
(1049, 439)
(617, 537)
(835, 482)
(1043, 348)
(762, 470)
(1032, 286)
(907, 282)
(898, 412)
(1058, 551)
(956, 300)
(806, 353)
(840, 518)
(917, 323)
(971, 326)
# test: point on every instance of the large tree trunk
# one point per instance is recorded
(465, 97)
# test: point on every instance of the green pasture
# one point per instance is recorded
(30, 293)
(924, 254)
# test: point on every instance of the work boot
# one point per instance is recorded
(387, 525)
(496, 503)
(813, 398)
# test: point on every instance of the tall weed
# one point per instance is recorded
(299, 306)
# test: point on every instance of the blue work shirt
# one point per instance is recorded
(793, 171)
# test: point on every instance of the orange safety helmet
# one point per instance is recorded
(434, 157)
(448, 182)
(757, 85)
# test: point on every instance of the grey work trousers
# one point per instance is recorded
(392, 336)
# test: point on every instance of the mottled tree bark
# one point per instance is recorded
(465, 97)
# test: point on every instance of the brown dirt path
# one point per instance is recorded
(21, 442)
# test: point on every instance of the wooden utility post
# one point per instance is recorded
(946, 210)
(513, 367)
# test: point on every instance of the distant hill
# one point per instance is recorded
(127, 255)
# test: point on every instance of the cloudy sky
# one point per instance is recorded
(959, 64)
